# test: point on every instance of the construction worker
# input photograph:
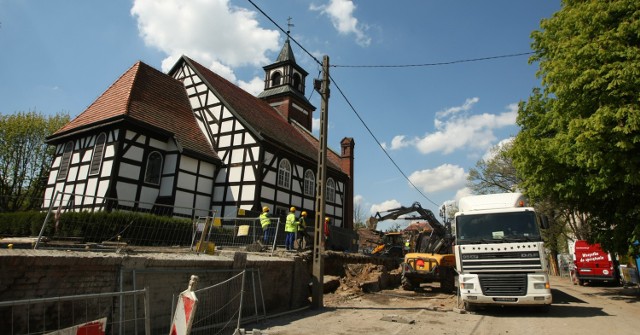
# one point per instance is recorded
(290, 228)
(302, 233)
(265, 221)
(327, 223)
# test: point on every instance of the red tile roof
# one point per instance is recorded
(261, 117)
(146, 95)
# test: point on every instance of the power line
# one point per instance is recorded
(379, 66)
(378, 142)
(439, 63)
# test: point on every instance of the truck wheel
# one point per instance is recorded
(407, 284)
(447, 282)
(469, 307)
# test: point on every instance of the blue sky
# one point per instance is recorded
(435, 121)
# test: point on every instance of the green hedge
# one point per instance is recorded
(134, 228)
(21, 223)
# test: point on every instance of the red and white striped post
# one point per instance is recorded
(185, 310)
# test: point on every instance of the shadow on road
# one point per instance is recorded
(563, 298)
(627, 294)
(556, 311)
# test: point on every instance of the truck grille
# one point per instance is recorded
(525, 261)
(503, 284)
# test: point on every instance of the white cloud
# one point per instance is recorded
(457, 109)
(255, 86)
(463, 192)
(491, 152)
(443, 177)
(315, 125)
(341, 14)
(462, 131)
(384, 206)
(457, 129)
(399, 142)
(358, 199)
(213, 33)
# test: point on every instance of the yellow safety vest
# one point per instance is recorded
(302, 224)
(290, 224)
(264, 220)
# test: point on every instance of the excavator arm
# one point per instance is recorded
(396, 213)
(439, 239)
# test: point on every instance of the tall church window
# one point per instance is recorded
(284, 174)
(296, 82)
(331, 190)
(98, 150)
(276, 79)
(154, 168)
(309, 183)
(66, 160)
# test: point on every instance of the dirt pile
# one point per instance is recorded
(360, 279)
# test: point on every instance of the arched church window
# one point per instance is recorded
(154, 168)
(284, 174)
(66, 161)
(331, 190)
(296, 81)
(309, 183)
(98, 150)
(276, 79)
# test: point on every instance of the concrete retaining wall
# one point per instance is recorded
(26, 274)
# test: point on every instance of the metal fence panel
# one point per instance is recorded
(122, 313)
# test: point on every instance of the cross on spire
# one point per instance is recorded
(289, 25)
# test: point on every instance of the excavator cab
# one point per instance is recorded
(392, 245)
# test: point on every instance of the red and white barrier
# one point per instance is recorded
(185, 310)
(96, 327)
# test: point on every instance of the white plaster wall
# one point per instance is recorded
(148, 197)
(134, 153)
(186, 181)
(184, 199)
(204, 185)
(126, 191)
(129, 171)
(166, 186)
(189, 164)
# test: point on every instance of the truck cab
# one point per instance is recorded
(499, 252)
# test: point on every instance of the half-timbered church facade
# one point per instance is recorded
(195, 141)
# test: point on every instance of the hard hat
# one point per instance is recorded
(304, 213)
(326, 218)
(292, 209)
(265, 209)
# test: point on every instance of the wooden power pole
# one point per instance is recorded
(317, 289)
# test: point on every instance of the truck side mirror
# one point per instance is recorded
(544, 222)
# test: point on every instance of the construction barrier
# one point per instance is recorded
(185, 310)
(96, 327)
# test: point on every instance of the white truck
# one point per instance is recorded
(500, 257)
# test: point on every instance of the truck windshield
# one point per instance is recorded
(497, 228)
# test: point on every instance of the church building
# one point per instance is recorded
(195, 141)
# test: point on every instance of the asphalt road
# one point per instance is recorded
(602, 310)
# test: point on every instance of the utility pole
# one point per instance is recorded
(317, 288)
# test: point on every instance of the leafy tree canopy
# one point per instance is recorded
(580, 133)
(25, 158)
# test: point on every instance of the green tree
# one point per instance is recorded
(495, 174)
(25, 158)
(579, 139)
